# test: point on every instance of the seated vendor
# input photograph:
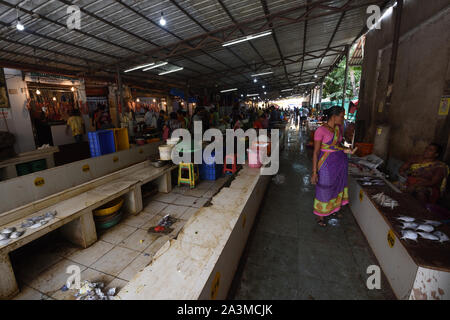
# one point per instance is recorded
(426, 175)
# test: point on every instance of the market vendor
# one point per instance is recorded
(426, 175)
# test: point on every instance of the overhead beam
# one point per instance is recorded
(259, 24)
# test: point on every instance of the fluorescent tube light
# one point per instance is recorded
(156, 66)
(170, 71)
(305, 84)
(286, 90)
(140, 67)
(262, 74)
(228, 90)
(246, 38)
(253, 95)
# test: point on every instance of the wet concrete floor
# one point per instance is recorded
(289, 256)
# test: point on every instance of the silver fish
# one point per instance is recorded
(442, 236)
(27, 224)
(433, 223)
(8, 230)
(4, 236)
(406, 219)
(409, 225)
(4, 242)
(36, 225)
(428, 236)
(408, 234)
(51, 214)
(425, 227)
(17, 234)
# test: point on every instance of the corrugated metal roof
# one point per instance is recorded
(127, 33)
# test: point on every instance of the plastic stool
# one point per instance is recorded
(193, 174)
(226, 164)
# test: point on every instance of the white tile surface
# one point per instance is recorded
(90, 255)
(115, 261)
(138, 240)
(117, 233)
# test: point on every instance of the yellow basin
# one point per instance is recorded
(111, 207)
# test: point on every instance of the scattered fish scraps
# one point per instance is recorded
(442, 236)
(406, 219)
(410, 235)
(425, 227)
(385, 201)
(94, 291)
(428, 236)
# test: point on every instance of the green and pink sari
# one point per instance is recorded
(331, 189)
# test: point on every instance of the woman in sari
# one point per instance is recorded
(330, 166)
(427, 176)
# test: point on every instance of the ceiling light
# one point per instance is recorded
(162, 21)
(138, 100)
(255, 80)
(54, 98)
(242, 95)
(262, 74)
(174, 70)
(72, 89)
(246, 38)
(263, 87)
(140, 67)
(20, 26)
(154, 100)
(265, 92)
(155, 66)
(286, 90)
(253, 95)
(38, 91)
(315, 76)
(228, 90)
(305, 84)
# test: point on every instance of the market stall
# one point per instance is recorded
(410, 243)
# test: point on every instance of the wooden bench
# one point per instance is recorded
(74, 209)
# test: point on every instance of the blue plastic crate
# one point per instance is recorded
(101, 142)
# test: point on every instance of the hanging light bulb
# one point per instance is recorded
(263, 87)
(54, 98)
(255, 80)
(20, 26)
(38, 91)
(154, 100)
(138, 100)
(162, 21)
(72, 89)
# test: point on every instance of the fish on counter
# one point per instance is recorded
(428, 236)
(409, 225)
(442, 236)
(410, 235)
(425, 227)
(406, 219)
(432, 223)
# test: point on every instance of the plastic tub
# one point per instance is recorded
(109, 208)
(165, 152)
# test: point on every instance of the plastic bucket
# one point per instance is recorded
(165, 152)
